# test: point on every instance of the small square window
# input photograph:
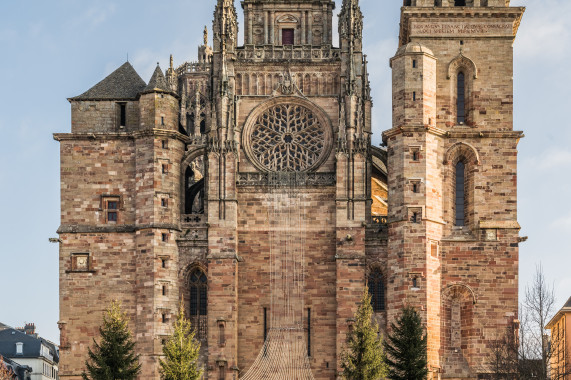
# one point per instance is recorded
(165, 237)
(164, 318)
(164, 202)
(165, 169)
(163, 263)
(164, 290)
(162, 120)
(415, 187)
(112, 216)
(414, 63)
(165, 144)
(111, 205)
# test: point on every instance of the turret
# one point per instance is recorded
(159, 105)
(414, 81)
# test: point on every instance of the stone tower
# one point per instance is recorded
(244, 184)
(452, 158)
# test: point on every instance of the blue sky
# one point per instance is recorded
(52, 50)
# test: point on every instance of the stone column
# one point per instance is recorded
(272, 27)
(250, 26)
(303, 31)
(265, 28)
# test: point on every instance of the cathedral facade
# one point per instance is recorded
(245, 186)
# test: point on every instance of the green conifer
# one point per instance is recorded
(363, 358)
(181, 352)
(406, 348)
(113, 358)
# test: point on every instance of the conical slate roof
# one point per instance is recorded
(158, 82)
(122, 84)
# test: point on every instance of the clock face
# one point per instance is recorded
(82, 262)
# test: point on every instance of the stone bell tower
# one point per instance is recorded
(452, 157)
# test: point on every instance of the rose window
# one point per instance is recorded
(287, 138)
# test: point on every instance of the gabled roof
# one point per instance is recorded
(568, 304)
(122, 84)
(158, 82)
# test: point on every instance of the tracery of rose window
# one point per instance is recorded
(287, 137)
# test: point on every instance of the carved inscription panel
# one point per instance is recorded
(461, 29)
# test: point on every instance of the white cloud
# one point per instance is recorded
(562, 223)
(94, 16)
(544, 33)
(553, 158)
(99, 14)
(562, 291)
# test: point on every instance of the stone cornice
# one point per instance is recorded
(454, 134)
(125, 228)
(120, 135)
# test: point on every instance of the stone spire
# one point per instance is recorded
(351, 21)
(225, 26)
(171, 76)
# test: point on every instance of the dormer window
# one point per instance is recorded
(19, 348)
(287, 36)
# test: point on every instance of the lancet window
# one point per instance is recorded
(196, 116)
(461, 99)
(198, 286)
(460, 215)
(376, 286)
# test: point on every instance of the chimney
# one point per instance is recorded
(28, 329)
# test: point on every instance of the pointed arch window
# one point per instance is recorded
(376, 286)
(198, 286)
(461, 98)
(460, 214)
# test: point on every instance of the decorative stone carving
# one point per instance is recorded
(287, 134)
(286, 179)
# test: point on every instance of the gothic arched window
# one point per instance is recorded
(376, 286)
(459, 209)
(198, 286)
(461, 99)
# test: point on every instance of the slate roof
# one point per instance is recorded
(158, 82)
(122, 84)
(31, 348)
(568, 304)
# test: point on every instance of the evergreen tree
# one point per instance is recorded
(406, 348)
(113, 358)
(364, 358)
(181, 352)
